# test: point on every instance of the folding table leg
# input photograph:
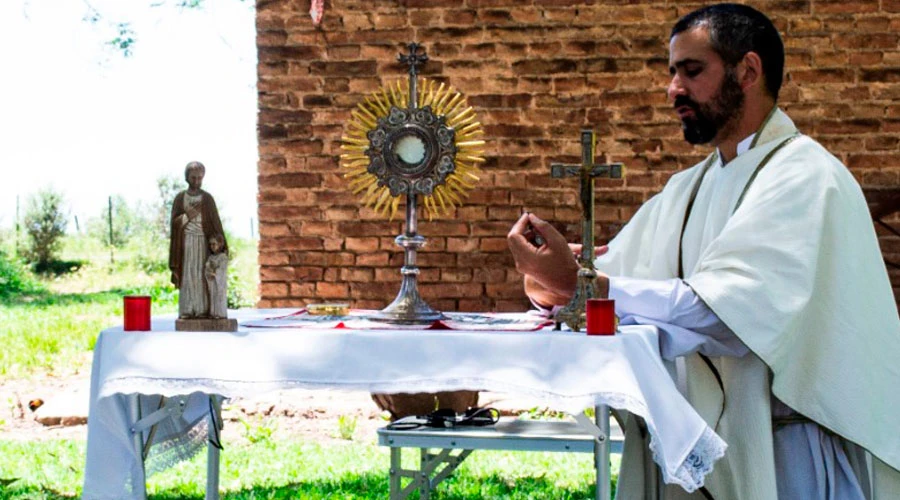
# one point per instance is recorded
(212, 448)
(601, 452)
(140, 487)
(424, 480)
(395, 473)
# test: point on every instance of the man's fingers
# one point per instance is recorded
(520, 247)
(547, 231)
(598, 251)
(520, 227)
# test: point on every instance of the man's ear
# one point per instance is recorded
(753, 71)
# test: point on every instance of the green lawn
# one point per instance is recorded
(277, 469)
(54, 330)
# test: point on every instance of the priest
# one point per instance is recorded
(761, 267)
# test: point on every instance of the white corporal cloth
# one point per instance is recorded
(569, 371)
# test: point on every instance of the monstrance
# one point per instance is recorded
(403, 142)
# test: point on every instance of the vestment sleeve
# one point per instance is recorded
(685, 322)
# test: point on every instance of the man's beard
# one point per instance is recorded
(712, 117)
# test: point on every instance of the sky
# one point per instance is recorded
(80, 117)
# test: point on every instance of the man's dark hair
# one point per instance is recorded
(736, 29)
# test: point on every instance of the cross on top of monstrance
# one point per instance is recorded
(414, 59)
(403, 142)
(573, 314)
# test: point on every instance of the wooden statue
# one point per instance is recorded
(195, 222)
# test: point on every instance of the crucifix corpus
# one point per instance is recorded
(573, 314)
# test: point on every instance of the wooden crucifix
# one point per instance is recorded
(573, 314)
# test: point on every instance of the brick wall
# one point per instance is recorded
(537, 71)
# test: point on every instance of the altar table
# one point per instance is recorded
(568, 371)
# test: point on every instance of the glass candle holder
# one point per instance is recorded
(601, 316)
(137, 313)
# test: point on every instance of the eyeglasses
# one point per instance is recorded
(447, 418)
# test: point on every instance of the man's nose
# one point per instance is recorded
(675, 89)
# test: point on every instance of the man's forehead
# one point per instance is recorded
(691, 45)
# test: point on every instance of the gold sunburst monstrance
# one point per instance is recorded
(399, 142)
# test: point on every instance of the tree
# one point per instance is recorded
(44, 222)
(168, 186)
(124, 37)
(126, 222)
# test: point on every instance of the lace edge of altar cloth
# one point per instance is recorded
(688, 471)
(359, 319)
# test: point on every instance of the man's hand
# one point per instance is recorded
(550, 269)
(542, 296)
(598, 251)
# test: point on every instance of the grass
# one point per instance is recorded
(281, 470)
(53, 331)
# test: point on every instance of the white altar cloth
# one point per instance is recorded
(569, 371)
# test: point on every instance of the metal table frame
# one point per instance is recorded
(581, 436)
(144, 429)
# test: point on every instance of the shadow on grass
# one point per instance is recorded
(364, 487)
(375, 486)
(30, 493)
(114, 295)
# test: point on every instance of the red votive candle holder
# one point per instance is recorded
(137, 313)
(601, 316)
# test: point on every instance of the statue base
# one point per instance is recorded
(206, 325)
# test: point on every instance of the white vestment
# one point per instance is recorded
(794, 270)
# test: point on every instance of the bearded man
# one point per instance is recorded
(761, 268)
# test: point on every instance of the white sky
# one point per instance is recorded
(91, 123)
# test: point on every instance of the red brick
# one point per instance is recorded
(504, 290)
(872, 160)
(273, 259)
(357, 275)
(853, 126)
(843, 7)
(882, 143)
(443, 290)
(457, 245)
(495, 244)
(377, 259)
(513, 305)
(278, 274)
(536, 73)
(489, 275)
(332, 290)
(482, 304)
(866, 41)
(361, 245)
(456, 275)
(273, 290)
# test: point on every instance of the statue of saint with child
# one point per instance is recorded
(198, 257)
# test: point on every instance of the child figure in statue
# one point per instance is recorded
(217, 277)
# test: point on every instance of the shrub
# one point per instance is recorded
(14, 278)
(44, 222)
(150, 252)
